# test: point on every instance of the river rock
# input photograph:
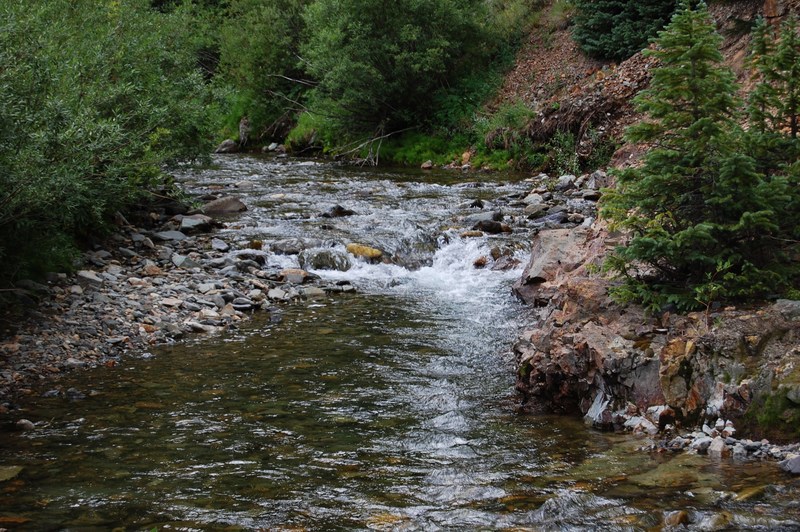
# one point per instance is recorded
(227, 146)
(565, 182)
(701, 444)
(288, 246)
(24, 424)
(170, 236)
(198, 327)
(481, 217)
(312, 291)
(196, 223)
(11, 472)
(338, 212)
(554, 253)
(277, 294)
(172, 302)
(427, 165)
(591, 195)
(364, 252)
(535, 211)
(328, 259)
(219, 245)
(533, 199)
(89, 277)
(718, 448)
(151, 269)
(242, 304)
(677, 518)
(205, 288)
(791, 465)
(491, 227)
(225, 205)
(294, 275)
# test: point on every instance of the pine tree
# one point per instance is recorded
(787, 75)
(774, 103)
(700, 214)
(617, 29)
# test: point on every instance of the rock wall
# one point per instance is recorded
(585, 354)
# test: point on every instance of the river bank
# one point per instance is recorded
(392, 405)
(722, 382)
(144, 288)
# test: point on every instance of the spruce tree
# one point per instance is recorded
(774, 103)
(700, 215)
(617, 29)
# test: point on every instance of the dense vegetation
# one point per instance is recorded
(95, 97)
(617, 29)
(713, 209)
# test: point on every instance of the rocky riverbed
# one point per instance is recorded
(143, 288)
(662, 376)
(175, 275)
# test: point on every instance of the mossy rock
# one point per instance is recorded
(775, 416)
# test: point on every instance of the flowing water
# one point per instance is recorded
(389, 409)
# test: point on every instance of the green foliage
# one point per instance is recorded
(774, 416)
(377, 63)
(563, 154)
(414, 147)
(774, 104)
(617, 29)
(259, 47)
(704, 222)
(95, 97)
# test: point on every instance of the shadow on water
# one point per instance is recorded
(389, 409)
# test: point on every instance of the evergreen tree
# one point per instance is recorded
(701, 217)
(617, 29)
(774, 103)
(787, 75)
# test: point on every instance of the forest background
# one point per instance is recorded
(99, 98)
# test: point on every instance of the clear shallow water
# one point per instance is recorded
(389, 409)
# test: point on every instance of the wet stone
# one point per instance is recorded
(89, 277)
(701, 444)
(791, 465)
(170, 236)
(219, 245)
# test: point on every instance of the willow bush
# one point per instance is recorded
(95, 97)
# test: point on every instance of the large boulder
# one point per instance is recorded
(554, 253)
(196, 223)
(227, 146)
(225, 205)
